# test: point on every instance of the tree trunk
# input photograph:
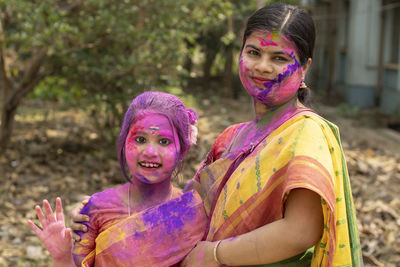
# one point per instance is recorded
(227, 79)
(227, 90)
(207, 65)
(7, 121)
(11, 93)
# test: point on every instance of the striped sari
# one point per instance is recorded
(304, 152)
(158, 236)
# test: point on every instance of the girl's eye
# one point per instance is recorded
(140, 139)
(164, 142)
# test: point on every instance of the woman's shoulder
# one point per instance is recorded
(225, 139)
(310, 119)
(229, 133)
(317, 122)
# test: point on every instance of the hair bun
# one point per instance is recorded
(192, 116)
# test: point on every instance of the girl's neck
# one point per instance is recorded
(144, 195)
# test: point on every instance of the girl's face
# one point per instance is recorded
(269, 68)
(152, 149)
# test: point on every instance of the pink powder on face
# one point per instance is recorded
(267, 41)
(285, 84)
(152, 155)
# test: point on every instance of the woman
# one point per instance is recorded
(276, 189)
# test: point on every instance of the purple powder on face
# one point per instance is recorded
(288, 72)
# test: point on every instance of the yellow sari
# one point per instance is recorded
(304, 152)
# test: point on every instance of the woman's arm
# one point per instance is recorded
(300, 229)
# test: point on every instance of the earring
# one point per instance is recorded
(303, 85)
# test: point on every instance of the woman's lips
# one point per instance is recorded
(260, 81)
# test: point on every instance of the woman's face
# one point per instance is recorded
(269, 68)
(152, 149)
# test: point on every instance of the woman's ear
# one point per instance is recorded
(306, 67)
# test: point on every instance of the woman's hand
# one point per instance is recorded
(77, 218)
(55, 236)
(202, 255)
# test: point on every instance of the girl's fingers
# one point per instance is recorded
(49, 211)
(35, 228)
(59, 210)
(41, 217)
(68, 235)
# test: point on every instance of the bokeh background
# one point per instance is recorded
(69, 69)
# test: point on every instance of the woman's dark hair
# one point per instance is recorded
(292, 22)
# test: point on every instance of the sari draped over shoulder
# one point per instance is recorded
(158, 236)
(303, 152)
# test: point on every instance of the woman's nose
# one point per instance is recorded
(263, 66)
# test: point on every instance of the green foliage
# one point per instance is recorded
(101, 53)
(56, 88)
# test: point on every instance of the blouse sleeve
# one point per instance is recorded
(220, 145)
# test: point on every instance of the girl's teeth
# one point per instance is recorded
(149, 165)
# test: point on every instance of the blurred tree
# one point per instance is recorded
(108, 49)
(224, 38)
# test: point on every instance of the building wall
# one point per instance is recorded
(390, 97)
(356, 44)
(363, 48)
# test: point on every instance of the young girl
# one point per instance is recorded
(147, 221)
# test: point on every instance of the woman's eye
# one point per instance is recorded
(281, 58)
(140, 139)
(164, 142)
(253, 52)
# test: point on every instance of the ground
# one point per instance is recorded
(58, 152)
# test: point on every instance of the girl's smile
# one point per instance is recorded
(152, 149)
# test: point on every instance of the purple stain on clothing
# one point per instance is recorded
(173, 214)
(85, 211)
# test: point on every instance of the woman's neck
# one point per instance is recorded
(144, 195)
(266, 121)
(269, 116)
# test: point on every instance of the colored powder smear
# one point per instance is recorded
(173, 213)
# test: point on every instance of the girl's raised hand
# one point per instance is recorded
(55, 236)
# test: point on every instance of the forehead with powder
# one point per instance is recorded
(268, 38)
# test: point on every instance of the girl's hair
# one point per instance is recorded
(165, 104)
(292, 22)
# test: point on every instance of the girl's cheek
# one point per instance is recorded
(130, 151)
